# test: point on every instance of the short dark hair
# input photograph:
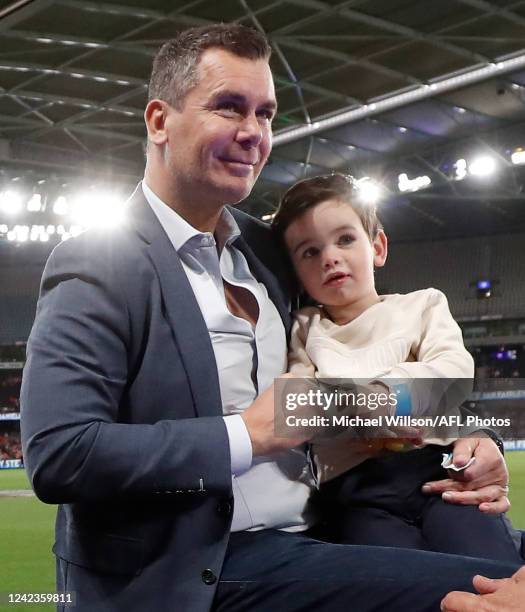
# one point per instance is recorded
(313, 191)
(174, 70)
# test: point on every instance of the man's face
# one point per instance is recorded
(219, 141)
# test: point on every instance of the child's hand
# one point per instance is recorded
(406, 438)
(401, 445)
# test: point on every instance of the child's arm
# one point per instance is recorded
(439, 379)
(299, 364)
(440, 352)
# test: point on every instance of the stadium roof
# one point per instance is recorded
(377, 88)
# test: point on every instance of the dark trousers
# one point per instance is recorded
(269, 570)
(379, 502)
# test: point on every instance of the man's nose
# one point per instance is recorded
(250, 131)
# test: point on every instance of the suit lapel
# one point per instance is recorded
(263, 275)
(182, 310)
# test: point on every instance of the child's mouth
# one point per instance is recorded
(336, 279)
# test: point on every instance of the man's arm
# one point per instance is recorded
(484, 483)
(260, 420)
(76, 375)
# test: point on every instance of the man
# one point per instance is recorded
(140, 406)
(506, 595)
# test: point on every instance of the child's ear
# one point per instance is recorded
(380, 246)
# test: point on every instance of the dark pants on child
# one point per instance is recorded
(380, 502)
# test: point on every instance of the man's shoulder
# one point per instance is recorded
(125, 242)
(99, 252)
(98, 242)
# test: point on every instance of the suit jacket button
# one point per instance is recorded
(208, 577)
(224, 508)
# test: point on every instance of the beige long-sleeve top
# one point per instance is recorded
(400, 337)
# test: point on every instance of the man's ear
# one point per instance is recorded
(155, 117)
(380, 246)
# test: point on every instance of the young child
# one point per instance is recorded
(335, 240)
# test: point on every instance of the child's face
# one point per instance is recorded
(333, 255)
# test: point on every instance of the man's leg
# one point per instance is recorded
(271, 570)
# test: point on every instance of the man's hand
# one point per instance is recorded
(484, 483)
(259, 419)
(506, 595)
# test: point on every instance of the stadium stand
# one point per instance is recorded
(454, 267)
(494, 327)
(16, 314)
(10, 445)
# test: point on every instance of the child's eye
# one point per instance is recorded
(310, 252)
(345, 239)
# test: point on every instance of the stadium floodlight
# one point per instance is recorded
(482, 166)
(518, 157)
(10, 202)
(103, 209)
(369, 191)
(415, 184)
(61, 206)
(38, 232)
(21, 233)
(84, 209)
(460, 169)
(114, 215)
(34, 203)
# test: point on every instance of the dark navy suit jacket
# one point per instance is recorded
(121, 416)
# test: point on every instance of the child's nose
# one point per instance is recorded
(330, 258)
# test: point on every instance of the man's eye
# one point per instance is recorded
(266, 114)
(228, 108)
(345, 239)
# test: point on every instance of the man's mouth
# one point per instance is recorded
(242, 162)
(335, 279)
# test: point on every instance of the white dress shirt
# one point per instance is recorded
(269, 492)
